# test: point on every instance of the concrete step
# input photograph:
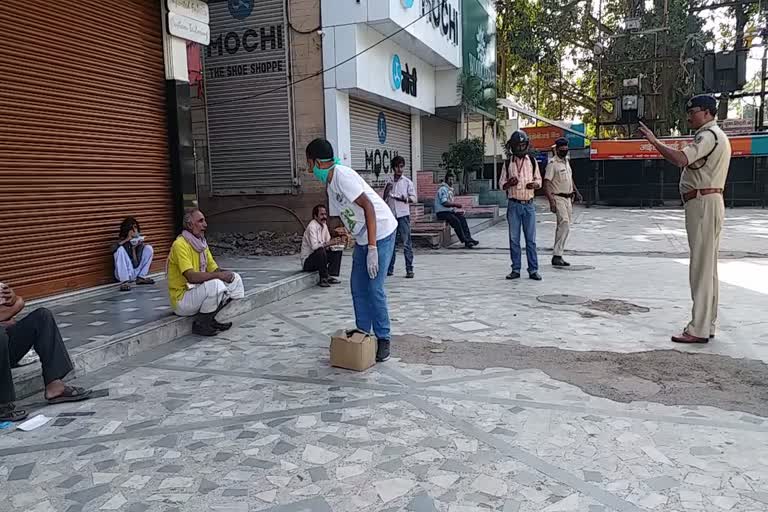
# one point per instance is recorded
(484, 211)
(107, 350)
(467, 200)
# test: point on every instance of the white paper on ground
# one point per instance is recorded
(36, 422)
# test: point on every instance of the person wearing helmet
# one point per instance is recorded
(561, 192)
(705, 163)
(520, 179)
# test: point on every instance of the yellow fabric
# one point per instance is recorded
(182, 258)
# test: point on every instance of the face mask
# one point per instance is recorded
(322, 174)
(562, 153)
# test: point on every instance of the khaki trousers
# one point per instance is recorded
(564, 219)
(703, 223)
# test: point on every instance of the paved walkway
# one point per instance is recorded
(90, 316)
(255, 419)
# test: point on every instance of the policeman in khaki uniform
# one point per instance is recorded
(705, 163)
(561, 192)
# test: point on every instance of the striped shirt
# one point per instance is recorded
(524, 171)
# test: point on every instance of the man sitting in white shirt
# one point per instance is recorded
(319, 252)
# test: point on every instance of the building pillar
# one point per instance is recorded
(181, 147)
(337, 124)
(416, 150)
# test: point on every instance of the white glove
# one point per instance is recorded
(373, 262)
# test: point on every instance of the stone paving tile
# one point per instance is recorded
(645, 462)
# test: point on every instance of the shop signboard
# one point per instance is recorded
(479, 42)
(641, 149)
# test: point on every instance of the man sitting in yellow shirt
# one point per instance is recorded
(196, 284)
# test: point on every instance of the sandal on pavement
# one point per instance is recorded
(70, 394)
(125, 287)
(9, 412)
(688, 338)
(145, 280)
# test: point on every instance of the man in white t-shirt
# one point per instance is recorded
(371, 222)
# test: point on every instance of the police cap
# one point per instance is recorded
(704, 102)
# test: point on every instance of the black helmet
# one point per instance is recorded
(518, 143)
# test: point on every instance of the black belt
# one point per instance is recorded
(566, 195)
(520, 200)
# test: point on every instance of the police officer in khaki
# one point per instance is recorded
(705, 163)
(561, 192)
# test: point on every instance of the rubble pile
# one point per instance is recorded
(263, 243)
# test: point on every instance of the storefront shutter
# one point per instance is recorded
(248, 104)
(83, 140)
(437, 135)
(371, 150)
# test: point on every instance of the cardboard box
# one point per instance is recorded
(353, 350)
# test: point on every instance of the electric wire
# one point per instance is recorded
(314, 75)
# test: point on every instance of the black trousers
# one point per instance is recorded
(458, 223)
(325, 261)
(37, 330)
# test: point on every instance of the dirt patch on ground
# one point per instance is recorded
(665, 376)
(616, 307)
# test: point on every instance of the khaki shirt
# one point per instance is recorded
(559, 174)
(709, 156)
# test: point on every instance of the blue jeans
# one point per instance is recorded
(403, 233)
(522, 215)
(368, 295)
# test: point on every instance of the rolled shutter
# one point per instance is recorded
(372, 151)
(248, 103)
(83, 142)
(436, 137)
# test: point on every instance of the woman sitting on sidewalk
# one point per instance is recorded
(132, 256)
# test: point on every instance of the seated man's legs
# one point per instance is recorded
(334, 263)
(465, 227)
(318, 262)
(145, 261)
(206, 300)
(453, 220)
(124, 271)
(38, 330)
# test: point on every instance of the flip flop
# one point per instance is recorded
(125, 287)
(145, 280)
(9, 412)
(70, 394)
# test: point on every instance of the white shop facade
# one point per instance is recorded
(376, 102)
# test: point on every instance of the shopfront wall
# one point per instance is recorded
(378, 134)
(84, 140)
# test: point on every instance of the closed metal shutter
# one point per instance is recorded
(249, 127)
(83, 140)
(436, 137)
(372, 150)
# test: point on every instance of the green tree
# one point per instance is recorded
(462, 159)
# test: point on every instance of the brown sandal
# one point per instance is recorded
(145, 280)
(9, 412)
(125, 287)
(70, 394)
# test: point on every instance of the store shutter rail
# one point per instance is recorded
(83, 142)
